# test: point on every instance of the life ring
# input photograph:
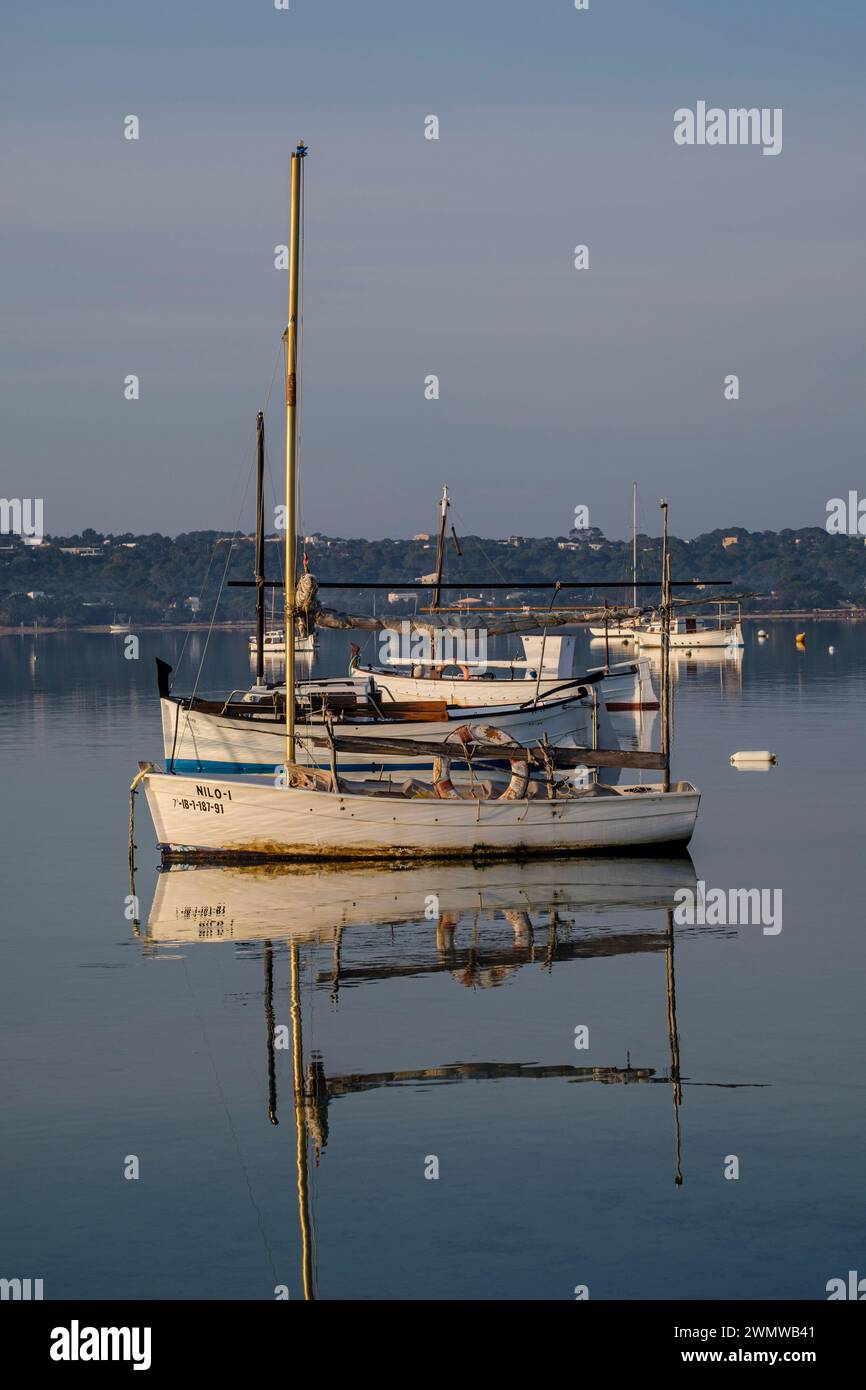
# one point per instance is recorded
(517, 787)
(442, 784)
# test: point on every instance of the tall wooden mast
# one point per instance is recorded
(440, 549)
(634, 545)
(260, 549)
(292, 393)
(665, 651)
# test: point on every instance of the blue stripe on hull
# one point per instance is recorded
(194, 765)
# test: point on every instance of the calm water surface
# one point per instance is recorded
(449, 1040)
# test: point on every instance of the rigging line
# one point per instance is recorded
(477, 542)
(200, 597)
(273, 487)
(230, 549)
(268, 469)
(217, 541)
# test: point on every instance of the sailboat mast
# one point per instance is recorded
(440, 552)
(260, 549)
(634, 545)
(292, 365)
(665, 651)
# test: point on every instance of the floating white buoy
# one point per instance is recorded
(760, 757)
(831, 650)
(762, 634)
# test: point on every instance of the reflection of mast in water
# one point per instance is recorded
(673, 1038)
(269, 1021)
(301, 1127)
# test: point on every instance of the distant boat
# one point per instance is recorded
(723, 630)
(275, 643)
(119, 625)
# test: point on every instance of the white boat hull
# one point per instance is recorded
(304, 646)
(208, 818)
(618, 631)
(703, 637)
(200, 742)
(623, 688)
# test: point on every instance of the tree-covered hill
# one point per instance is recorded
(87, 579)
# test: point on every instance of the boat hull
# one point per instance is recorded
(622, 634)
(198, 741)
(239, 820)
(627, 686)
(707, 637)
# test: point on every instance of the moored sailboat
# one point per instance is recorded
(310, 813)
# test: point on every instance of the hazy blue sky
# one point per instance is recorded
(452, 257)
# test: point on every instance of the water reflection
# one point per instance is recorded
(725, 664)
(481, 926)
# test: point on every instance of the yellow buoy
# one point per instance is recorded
(801, 639)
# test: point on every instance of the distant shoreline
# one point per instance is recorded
(790, 615)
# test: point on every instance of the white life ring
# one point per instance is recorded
(517, 787)
(442, 784)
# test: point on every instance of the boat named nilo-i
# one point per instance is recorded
(545, 803)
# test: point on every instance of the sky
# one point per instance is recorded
(453, 257)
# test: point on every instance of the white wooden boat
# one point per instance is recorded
(624, 685)
(384, 820)
(248, 734)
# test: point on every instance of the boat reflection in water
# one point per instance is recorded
(481, 925)
(720, 665)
